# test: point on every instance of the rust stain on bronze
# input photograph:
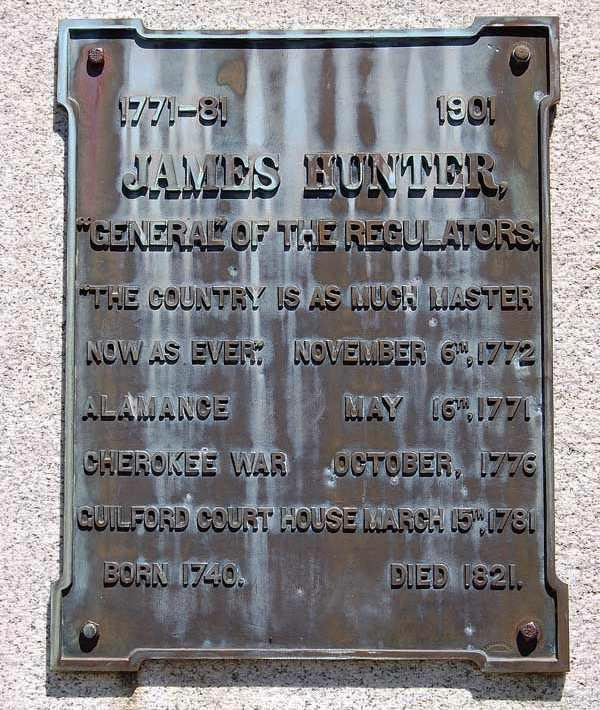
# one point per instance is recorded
(327, 105)
(233, 74)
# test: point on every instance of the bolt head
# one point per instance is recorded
(96, 57)
(90, 630)
(521, 54)
(530, 631)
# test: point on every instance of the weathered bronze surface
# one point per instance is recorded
(308, 362)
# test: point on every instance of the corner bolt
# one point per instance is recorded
(520, 58)
(95, 57)
(90, 630)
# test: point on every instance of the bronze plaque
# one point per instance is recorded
(308, 385)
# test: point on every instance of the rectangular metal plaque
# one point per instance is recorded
(308, 385)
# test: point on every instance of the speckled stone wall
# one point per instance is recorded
(32, 138)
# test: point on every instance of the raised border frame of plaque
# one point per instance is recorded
(97, 29)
